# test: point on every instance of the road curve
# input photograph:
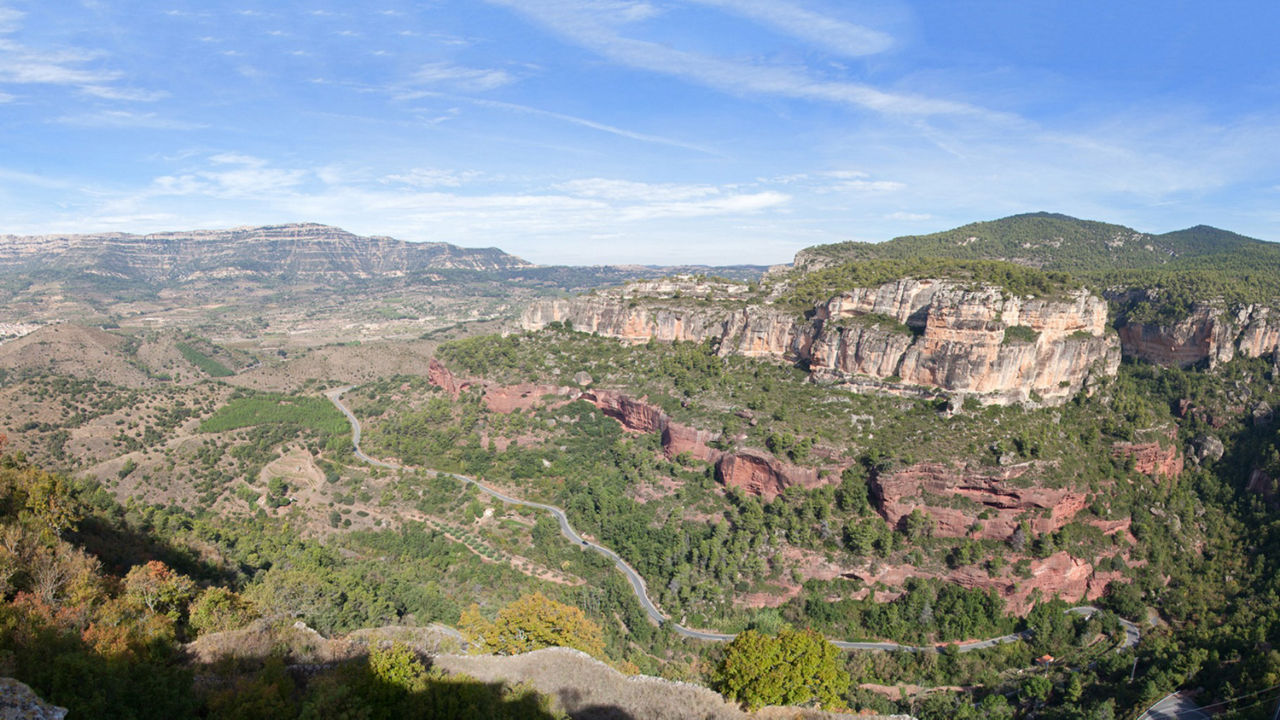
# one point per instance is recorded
(1132, 634)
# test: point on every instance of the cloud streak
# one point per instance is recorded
(836, 36)
(597, 27)
(24, 65)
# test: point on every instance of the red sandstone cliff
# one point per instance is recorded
(957, 498)
(1151, 458)
(756, 472)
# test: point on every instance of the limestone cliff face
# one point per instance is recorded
(925, 333)
(1208, 334)
(959, 339)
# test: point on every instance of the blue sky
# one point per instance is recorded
(654, 131)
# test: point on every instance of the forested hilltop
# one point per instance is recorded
(1178, 269)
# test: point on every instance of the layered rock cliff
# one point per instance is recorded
(966, 501)
(911, 332)
(1209, 334)
(306, 251)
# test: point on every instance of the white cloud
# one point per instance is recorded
(829, 33)
(629, 191)
(596, 26)
(908, 216)
(602, 127)
(126, 119)
(234, 188)
(432, 178)
(462, 78)
(730, 205)
(232, 176)
(24, 65)
(117, 93)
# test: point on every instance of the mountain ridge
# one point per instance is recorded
(293, 250)
(1047, 241)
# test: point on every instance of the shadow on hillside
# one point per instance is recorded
(290, 682)
(120, 547)
(571, 700)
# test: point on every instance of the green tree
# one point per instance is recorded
(217, 609)
(797, 666)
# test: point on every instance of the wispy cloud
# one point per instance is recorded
(584, 122)
(630, 191)
(826, 32)
(462, 78)
(456, 205)
(433, 178)
(232, 176)
(598, 26)
(24, 65)
(126, 119)
(108, 92)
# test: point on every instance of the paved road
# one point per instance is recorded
(1175, 706)
(637, 582)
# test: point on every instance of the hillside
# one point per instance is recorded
(920, 451)
(1048, 241)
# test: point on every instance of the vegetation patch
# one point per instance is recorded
(1020, 334)
(207, 365)
(244, 411)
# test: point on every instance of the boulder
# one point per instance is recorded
(1207, 447)
(19, 702)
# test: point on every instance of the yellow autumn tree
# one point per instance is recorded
(532, 622)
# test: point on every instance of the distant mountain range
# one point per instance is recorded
(295, 251)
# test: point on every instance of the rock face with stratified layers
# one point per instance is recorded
(1208, 334)
(964, 501)
(305, 251)
(922, 333)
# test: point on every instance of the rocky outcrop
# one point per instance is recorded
(1209, 334)
(1059, 575)
(19, 702)
(1261, 483)
(756, 472)
(982, 503)
(763, 475)
(296, 251)
(1151, 458)
(1207, 448)
(907, 333)
(443, 378)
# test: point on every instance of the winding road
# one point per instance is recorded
(1131, 632)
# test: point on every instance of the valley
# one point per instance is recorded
(1031, 437)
